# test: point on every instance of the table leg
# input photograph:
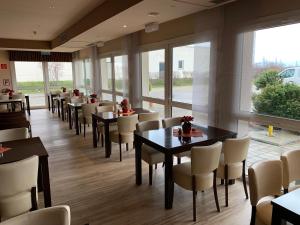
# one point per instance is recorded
(62, 110)
(276, 220)
(52, 103)
(28, 105)
(58, 107)
(76, 121)
(40, 179)
(46, 182)
(48, 102)
(107, 141)
(169, 185)
(138, 161)
(70, 117)
(94, 125)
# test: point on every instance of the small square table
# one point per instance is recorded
(163, 140)
(287, 208)
(25, 148)
(107, 118)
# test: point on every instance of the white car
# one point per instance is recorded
(291, 75)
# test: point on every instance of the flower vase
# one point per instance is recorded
(93, 100)
(186, 127)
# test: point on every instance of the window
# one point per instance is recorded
(153, 74)
(60, 75)
(121, 70)
(106, 73)
(180, 64)
(84, 76)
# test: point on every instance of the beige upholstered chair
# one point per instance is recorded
(233, 162)
(171, 122)
(86, 116)
(18, 107)
(199, 174)
(13, 134)
(291, 168)
(150, 155)
(124, 134)
(3, 107)
(75, 99)
(149, 116)
(100, 126)
(57, 215)
(265, 182)
(18, 192)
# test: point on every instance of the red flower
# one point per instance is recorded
(124, 103)
(185, 119)
(93, 95)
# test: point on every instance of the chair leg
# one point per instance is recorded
(194, 197)
(34, 205)
(84, 130)
(253, 215)
(222, 181)
(150, 174)
(127, 147)
(155, 165)
(98, 136)
(244, 179)
(179, 160)
(226, 185)
(215, 191)
(102, 140)
(79, 127)
(120, 147)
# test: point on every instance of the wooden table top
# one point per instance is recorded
(76, 104)
(11, 100)
(289, 201)
(112, 116)
(164, 138)
(22, 149)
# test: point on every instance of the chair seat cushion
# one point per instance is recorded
(152, 156)
(183, 177)
(125, 137)
(235, 170)
(264, 210)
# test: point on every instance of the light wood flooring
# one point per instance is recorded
(103, 191)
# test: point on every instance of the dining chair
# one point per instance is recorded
(18, 192)
(265, 182)
(14, 134)
(291, 169)
(201, 173)
(171, 122)
(233, 162)
(86, 115)
(3, 107)
(100, 125)
(75, 99)
(124, 134)
(149, 154)
(149, 116)
(56, 215)
(18, 107)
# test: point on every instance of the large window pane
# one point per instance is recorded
(60, 75)
(106, 73)
(30, 80)
(155, 108)
(106, 96)
(88, 76)
(120, 67)
(153, 74)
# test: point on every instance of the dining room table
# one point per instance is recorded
(168, 142)
(286, 208)
(74, 107)
(108, 118)
(25, 148)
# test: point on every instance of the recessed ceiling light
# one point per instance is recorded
(153, 14)
(124, 26)
(51, 6)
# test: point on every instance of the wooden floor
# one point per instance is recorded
(103, 191)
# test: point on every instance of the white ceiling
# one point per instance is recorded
(20, 18)
(135, 18)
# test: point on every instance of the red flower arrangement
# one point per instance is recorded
(124, 105)
(76, 92)
(186, 124)
(93, 98)
(9, 91)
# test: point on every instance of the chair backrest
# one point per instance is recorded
(57, 215)
(205, 159)
(18, 96)
(105, 108)
(4, 97)
(147, 125)
(64, 94)
(148, 116)
(13, 134)
(170, 122)
(17, 180)
(127, 123)
(57, 92)
(291, 167)
(88, 109)
(77, 100)
(265, 179)
(235, 149)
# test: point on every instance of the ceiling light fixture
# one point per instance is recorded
(153, 14)
(51, 6)
(124, 26)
